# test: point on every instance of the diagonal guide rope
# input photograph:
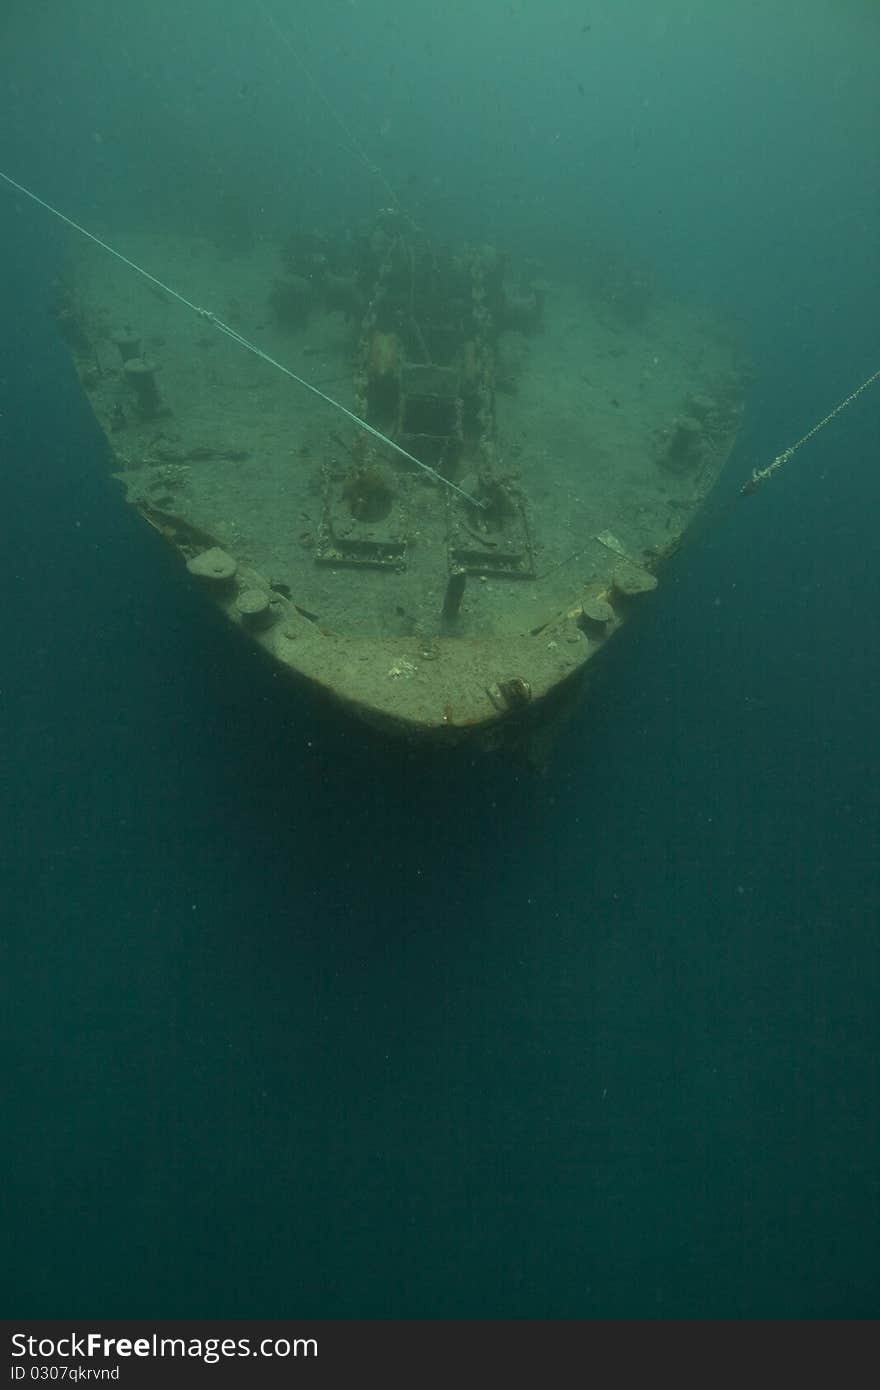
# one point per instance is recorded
(245, 343)
(761, 475)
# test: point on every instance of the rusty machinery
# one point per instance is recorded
(424, 374)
